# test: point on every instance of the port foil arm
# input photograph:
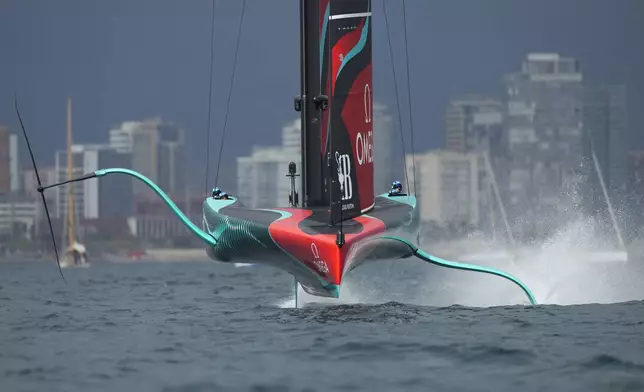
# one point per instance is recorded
(205, 237)
(421, 254)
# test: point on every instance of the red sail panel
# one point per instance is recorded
(351, 144)
(356, 115)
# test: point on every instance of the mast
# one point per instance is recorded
(335, 102)
(495, 188)
(70, 167)
(620, 240)
(310, 103)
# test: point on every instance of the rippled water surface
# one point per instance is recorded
(213, 327)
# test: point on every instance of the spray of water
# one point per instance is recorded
(580, 262)
(563, 270)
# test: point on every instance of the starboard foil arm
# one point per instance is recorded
(421, 254)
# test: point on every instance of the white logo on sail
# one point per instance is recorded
(319, 263)
(343, 163)
(364, 147)
(367, 104)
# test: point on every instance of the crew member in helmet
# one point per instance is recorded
(224, 196)
(216, 193)
(396, 189)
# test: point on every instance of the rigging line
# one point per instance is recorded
(411, 119)
(40, 187)
(393, 70)
(322, 59)
(230, 90)
(212, 43)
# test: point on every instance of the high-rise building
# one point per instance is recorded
(605, 127)
(29, 185)
(261, 177)
(635, 199)
(171, 159)
(18, 216)
(636, 173)
(77, 188)
(446, 186)
(292, 138)
(5, 159)
(29, 182)
(474, 125)
(14, 164)
(544, 131)
(384, 169)
(157, 149)
(111, 196)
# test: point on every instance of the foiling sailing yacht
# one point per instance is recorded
(342, 222)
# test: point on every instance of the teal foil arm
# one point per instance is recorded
(421, 254)
(207, 238)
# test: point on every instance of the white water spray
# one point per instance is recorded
(562, 270)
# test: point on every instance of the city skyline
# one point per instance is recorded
(115, 131)
(489, 143)
(177, 181)
(166, 72)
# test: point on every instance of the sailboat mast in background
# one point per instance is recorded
(70, 167)
(76, 254)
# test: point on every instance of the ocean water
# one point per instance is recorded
(213, 327)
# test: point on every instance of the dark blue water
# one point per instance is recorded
(213, 327)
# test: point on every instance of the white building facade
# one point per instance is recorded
(446, 188)
(111, 196)
(261, 177)
(157, 151)
(15, 212)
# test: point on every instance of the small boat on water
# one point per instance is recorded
(75, 256)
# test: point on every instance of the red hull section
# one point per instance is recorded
(301, 241)
(320, 251)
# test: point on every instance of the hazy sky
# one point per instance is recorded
(129, 59)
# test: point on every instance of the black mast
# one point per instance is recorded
(311, 104)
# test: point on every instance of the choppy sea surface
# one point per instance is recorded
(399, 326)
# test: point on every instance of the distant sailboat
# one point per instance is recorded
(620, 254)
(76, 253)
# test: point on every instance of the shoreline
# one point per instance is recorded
(147, 255)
